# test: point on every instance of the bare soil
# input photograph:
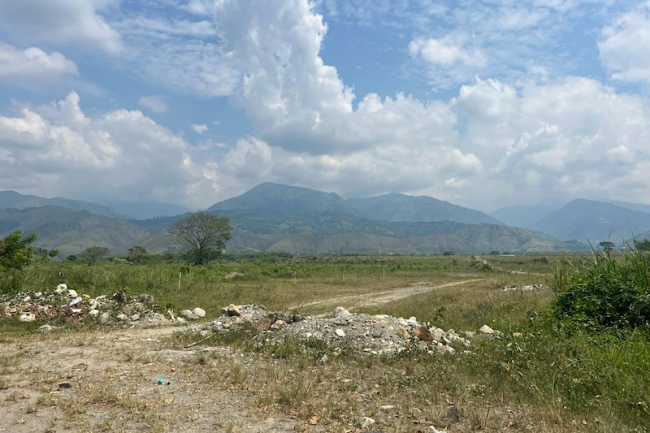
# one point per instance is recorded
(112, 386)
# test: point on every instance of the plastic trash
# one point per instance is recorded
(76, 300)
(162, 381)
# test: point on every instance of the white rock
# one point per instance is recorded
(486, 330)
(231, 310)
(182, 321)
(122, 317)
(46, 328)
(76, 310)
(340, 333)
(365, 422)
(61, 288)
(104, 318)
(438, 334)
(199, 312)
(27, 299)
(387, 407)
(93, 313)
(72, 293)
(412, 321)
(279, 324)
(340, 312)
(432, 429)
(188, 314)
(27, 317)
(135, 317)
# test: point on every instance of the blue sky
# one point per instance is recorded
(485, 103)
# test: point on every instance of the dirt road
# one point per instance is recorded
(381, 298)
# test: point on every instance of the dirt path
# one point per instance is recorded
(384, 297)
(106, 381)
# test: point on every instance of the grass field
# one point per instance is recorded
(549, 379)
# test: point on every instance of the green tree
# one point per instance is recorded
(206, 235)
(71, 258)
(92, 254)
(607, 246)
(16, 251)
(44, 255)
(137, 254)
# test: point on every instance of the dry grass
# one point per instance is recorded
(466, 393)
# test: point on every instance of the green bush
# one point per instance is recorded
(16, 253)
(609, 291)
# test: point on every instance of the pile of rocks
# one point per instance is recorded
(63, 304)
(524, 288)
(374, 335)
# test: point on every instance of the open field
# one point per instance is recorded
(547, 380)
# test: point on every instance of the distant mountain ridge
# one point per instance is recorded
(12, 199)
(70, 231)
(282, 218)
(404, 208)
(595, 221)
(393, 207)
(524, 216)
(272, 196)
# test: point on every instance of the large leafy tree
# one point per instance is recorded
(137, 254)
(16, 251)
(206, 234)
(92, 254)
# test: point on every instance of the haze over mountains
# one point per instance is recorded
(280, 218)
(582, 220)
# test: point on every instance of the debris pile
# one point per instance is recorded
(373, 335)
(64, 305)
(524, 288)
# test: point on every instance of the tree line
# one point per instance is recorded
(203, 235)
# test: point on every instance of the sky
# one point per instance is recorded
(484, 103)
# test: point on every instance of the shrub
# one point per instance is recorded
(607, 292)
(16, 252)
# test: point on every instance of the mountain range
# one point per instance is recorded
(14, 200)
(582, 220)
(281, 218)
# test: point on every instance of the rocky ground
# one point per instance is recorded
(362, 333)
(65, 306)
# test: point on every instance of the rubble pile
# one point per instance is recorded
(373, 335)
(63, 305)
(530, 288)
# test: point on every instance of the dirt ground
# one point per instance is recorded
(381, 298)
(106, 381)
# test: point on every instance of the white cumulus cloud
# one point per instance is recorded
(59, 150)
(625, 48)
(32, 67)
(155, 103)
(64, 22)
(199, 128)
(446, 52)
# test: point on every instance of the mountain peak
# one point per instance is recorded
(273, 196)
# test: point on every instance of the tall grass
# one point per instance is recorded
(607, 292)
